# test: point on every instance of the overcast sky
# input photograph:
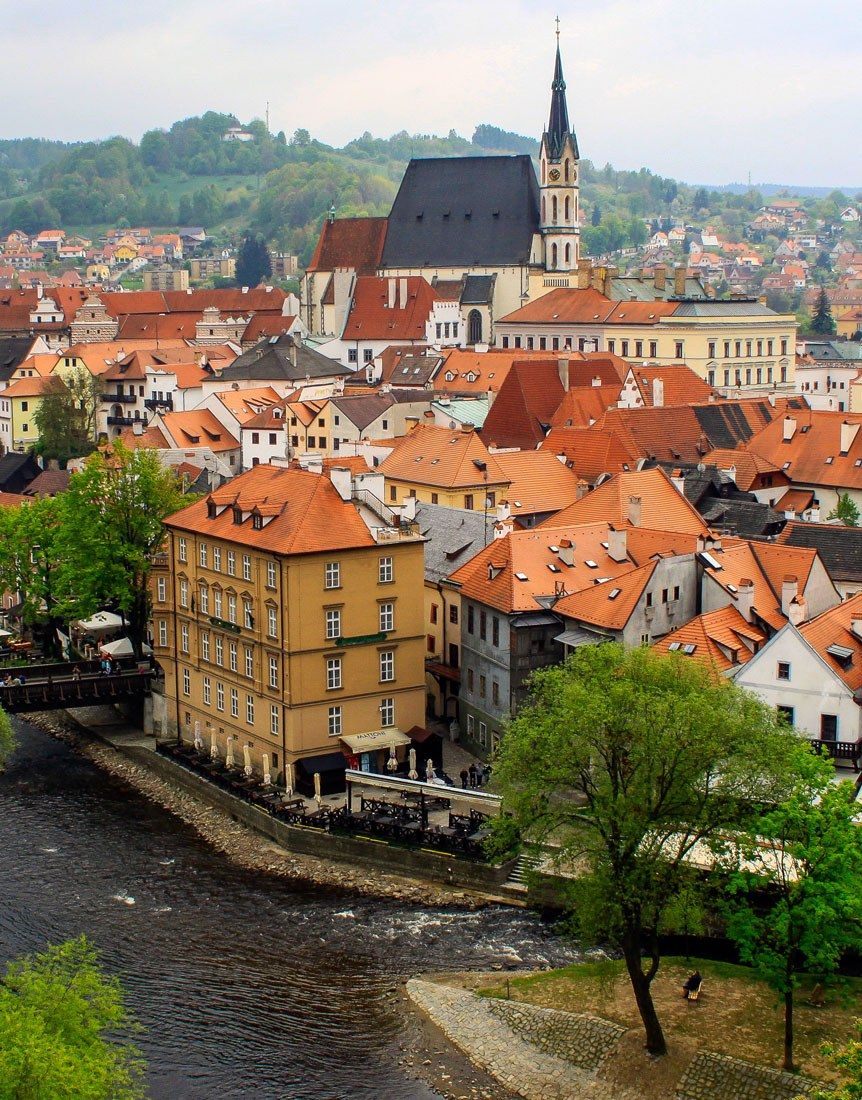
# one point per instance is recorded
(702, 90)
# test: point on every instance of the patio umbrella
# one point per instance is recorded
(228, 758)
(199, 741)
(412, 774)
(246, 756)
(267, 777)
(213, 746)
(317, 793)
(429, 771)
(289, 778)
(392, 762)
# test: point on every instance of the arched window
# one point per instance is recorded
(544, 211)
(568, 169)
(554, 210)
(568, 208)
(543, 171)
(474, 327)
(568, 254)
(553, 257)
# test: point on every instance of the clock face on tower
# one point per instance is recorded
(554, 174)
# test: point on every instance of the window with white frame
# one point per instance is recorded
(187, 682)
(205, 645)
(183, 551)
(273, 720)
(219, 650)
(204, 555)
(471, 726)
(163, 632)
(249, 662)
(385, 571)
(231, 607)
(184, 638)
(246, 567)
(234, 703)
(162, 589)
(483, 734)
(247, 616)
(333, 673)
(332, 574)
(387, 666)
(270, 574)
(335, 721)
(219, 695)
(231, 652)
(217, 558)
(333, 623)
(273, 672)
(205, 600)
(207, 691)
(217, 602)
(387, 617)
(249, 709)
(387, 711)
(231, 563)
(184, 593)
(272, 622)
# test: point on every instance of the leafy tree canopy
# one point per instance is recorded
(846, 510)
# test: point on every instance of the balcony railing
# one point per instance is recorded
(159, 403)
(839, 751)
(120, 398)
(124, 421)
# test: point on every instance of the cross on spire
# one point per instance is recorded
(558, 30)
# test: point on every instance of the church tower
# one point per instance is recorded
(559, 167)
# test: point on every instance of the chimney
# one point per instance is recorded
(771, 399)
(789, 429)
(634, 511)
(789, 590)
(657, 393)
(402, 293)
(798, 611)
(503, 511)
(584, 269)
(567, 552)
(412, 422)
(492, 397)
(745, 598)
(138, 427)
(597, 279)
(679, 281)
(293, 349)
(503, 528)
(596, 382)
(342, 481)
(848, 434)
(678, 479)
(856, 628)
(659, 278)
(391, 295)
(314, 464)
(563, 368)
(610, 273)
(617, 544)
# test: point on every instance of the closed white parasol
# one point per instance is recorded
(267, 775)
(228, 757)
(412, 774)
(246, 758)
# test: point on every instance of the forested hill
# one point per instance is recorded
(280, 185)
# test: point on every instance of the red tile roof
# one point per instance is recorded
(835, 627)
(370, 317)
(350, 242)
(722, 639)
(591, 452)
(813, 455)
(442, 457)
(569, 305)
(539, 482)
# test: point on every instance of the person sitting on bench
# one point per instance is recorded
(691, 986)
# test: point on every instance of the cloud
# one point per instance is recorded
(706, 91)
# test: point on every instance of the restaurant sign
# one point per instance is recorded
(362, 639)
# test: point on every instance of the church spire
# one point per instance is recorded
(558, 122)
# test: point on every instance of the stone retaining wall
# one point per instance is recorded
(719, 1077)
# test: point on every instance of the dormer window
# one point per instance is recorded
(212, 511)
(237, 514)
(257, 522)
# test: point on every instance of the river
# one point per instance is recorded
(247, 986)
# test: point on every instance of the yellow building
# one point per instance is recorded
(18, 406)
(444, 466)
(287, 623)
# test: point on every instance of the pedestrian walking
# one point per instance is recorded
(474, 776)
(465, 778)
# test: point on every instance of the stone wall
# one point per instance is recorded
(718, 1077)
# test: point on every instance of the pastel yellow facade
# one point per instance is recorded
(443, 649)
(22, 412)
(472, 498)
(287, 655)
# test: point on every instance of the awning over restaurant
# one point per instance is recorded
(375, 739)
(103, 622)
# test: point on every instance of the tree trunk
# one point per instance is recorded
(788, 1030)
(655, 1041)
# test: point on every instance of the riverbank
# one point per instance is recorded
(240, 844)
(544, 1052)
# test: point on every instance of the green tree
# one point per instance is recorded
(33, 564)
(252, 263)
(846, 510)
(65, 1033)
(823, 322)
(114, 510)
(848, 1059)
(629, 759)
(700, 199)
(66, 417)
(7, 739)
(795, 904)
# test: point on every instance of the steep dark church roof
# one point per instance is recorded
(558, 122)
(464, 212)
